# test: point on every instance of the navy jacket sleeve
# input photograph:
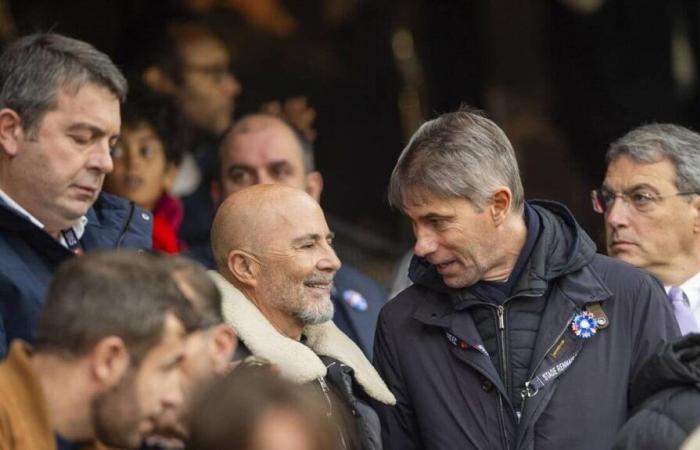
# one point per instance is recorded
(653, 321)
(399, 426)
(650, 430)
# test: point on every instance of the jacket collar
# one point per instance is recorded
(298, 362)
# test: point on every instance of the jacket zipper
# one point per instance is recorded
(501, 326)
(525, 392)
(326, 393)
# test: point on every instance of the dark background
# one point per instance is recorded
(562, 77)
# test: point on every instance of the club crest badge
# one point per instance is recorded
(584, 325)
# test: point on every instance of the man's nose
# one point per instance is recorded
(231, 86)
(425, 243)
(617, 214)
(329, 261)
(101, 157)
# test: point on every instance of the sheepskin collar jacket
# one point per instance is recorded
(300, 363)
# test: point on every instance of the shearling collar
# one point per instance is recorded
(296, 361)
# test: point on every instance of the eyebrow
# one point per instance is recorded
(633, 188)
(311, 237)
(433, 216)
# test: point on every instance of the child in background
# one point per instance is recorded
(150, 148)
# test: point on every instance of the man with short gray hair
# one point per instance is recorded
(516, 334)
(59, 118)
(654, 171)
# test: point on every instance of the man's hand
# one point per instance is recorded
(297, 111)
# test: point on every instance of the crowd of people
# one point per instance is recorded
(168, 278)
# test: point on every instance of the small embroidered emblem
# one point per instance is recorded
(584, 325)
(355, 300)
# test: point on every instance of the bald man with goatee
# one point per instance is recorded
(275, 267)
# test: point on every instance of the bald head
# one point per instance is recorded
(246, 219)
(272, 242)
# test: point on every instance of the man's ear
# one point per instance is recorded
(696, 214)
(158, 81)
(11, 131)
(215, 192)
(109, 361)
(500, 204)
(314, 185)
(242, 268)
(223, 343)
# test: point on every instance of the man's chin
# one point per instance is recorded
(164, 442)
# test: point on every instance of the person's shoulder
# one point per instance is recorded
(131, 225)
(349, 277)
(620, 274)
(405, 302)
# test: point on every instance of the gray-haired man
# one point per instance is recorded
(59, 117)
(516, 334)
(652, 210)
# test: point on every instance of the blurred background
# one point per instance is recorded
(563, 78)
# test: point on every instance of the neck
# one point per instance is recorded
(282, 321)
(678, 272)
(66, 397)
(513, 234)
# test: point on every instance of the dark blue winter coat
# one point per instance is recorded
(666, 399)
(451, 397)
(29, 256)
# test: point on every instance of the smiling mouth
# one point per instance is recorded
(322, 285)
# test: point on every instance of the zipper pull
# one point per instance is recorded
(501, 320)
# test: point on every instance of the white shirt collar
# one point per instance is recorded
(78, 226)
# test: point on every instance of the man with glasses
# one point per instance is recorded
(652, 210)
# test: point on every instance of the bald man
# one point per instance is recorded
(275, 268)
(264, 149)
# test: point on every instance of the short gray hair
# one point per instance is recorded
(459, 154)
(650, 143)
(34, 68)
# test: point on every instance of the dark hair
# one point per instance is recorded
(122, 293)
(198, 287)
(158, 42)
(167, 122)
(228, 412)
(34, 68)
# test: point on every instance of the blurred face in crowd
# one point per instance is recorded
(647, 224)
(141, 171)
(297, 262)
(126, 414)
(268, 153)
(56, 170)
(283, 429)
(208, 89)
(456, 238)
(207, 353)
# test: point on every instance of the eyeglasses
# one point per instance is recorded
(217, 72)
(641, 200)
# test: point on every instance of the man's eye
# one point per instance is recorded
(239, 177)
(308, 245)
(641, 198)
(80, 139)
(281, 172)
